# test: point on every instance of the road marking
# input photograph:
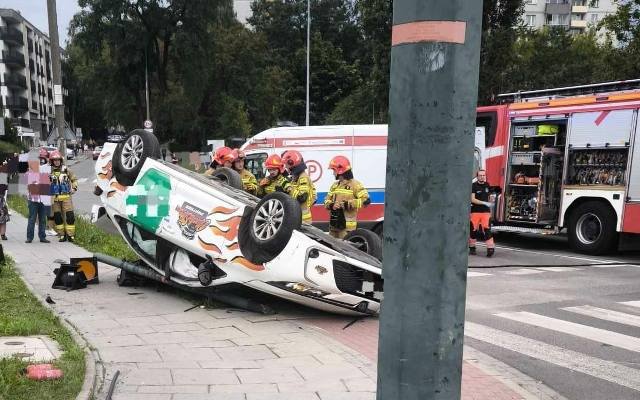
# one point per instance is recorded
(593, 260)
(475, 274)
(559, 269)
(631, 303)
(523, 271)
(601, 369)
(607, 315)
(583, 331)
(83, 180)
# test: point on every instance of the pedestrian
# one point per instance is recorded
(164, 154)
(249, 182)
(345, 197)
(222, 157)
(174, 158)
(302, 189)
(275, 181)
(4, 211)
(480, 225)
(63, 185)
(38, 211)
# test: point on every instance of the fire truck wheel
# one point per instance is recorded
(367, 241)
(267, 230)
(130, 155)
(592, 228)
(228, 176)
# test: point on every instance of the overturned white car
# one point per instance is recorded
(201, 232)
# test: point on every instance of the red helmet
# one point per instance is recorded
(274, 162)
(238, 154)
(55, 155)
(340, 164)
(43, 153)
(222, 155)
(292, 158)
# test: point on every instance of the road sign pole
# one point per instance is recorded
(57, 77)
(433, 93)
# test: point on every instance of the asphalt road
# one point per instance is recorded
(568, 320)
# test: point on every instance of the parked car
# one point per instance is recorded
(70, 154)
(96, 152)
(202, 232)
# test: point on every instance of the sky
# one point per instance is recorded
(35, 11)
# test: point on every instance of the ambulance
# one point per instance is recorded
(364, 145)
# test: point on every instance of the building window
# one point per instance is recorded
(594, 18)
(557, 1)
(532, 2)
(531, 20)
(595, 3)
(557, 19)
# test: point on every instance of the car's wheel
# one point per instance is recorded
(592, 228)
(130, 155)
(228, 176)
(268, 229)
(367, 241)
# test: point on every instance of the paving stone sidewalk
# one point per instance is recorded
(166, 353)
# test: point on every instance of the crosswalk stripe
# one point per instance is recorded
(475, 274)
(604, 314)
(631, 303)
(586, 332)
(523, 271)
(559, 269)
(601, 369)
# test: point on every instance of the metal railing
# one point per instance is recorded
(13, 57)
(15, 80)
(11, 35)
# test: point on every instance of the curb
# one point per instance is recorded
(91, 378)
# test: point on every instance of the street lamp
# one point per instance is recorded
(308, 56)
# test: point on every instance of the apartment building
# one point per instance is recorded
(242, 8)
(26, 80)
(575, 15)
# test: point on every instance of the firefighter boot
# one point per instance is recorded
(472, 251)
(490, 251)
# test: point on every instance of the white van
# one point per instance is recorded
(364, 145)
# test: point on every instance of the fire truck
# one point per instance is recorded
(566, 159)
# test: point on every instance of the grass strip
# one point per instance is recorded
(88, 236)
(22, 315)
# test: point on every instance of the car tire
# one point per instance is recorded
(592, 228)
(367, 241)
(266, 231)
(229, 177)
(130, 155)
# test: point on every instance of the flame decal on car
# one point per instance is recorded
(248, 264)
(107, 172)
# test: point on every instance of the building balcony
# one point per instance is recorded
(561, 8)
(11, 35)
(579, 9)
(23, 122)
(579, 23)
(13, 58)
(15, 81)
(17, 103)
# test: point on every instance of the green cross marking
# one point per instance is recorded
(147, 201)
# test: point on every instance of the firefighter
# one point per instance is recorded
(275, 180)
(480, 228)
(302, 189)
(222, 157)
(63, 185)
(346, 196)
(43, 156)
(249, 182)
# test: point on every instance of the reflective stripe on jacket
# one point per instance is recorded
(299, 187)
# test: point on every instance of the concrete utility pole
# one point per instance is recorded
(433, 94)
(58, 99)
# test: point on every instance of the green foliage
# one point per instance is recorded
(22, 315)
(88, 236)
